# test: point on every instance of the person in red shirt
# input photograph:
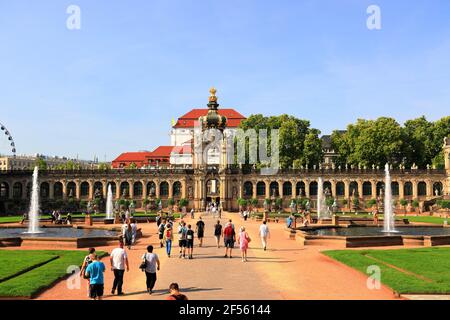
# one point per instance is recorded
(229, 237)
(175, 293)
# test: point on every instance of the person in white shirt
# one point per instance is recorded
(264, 233)
(119, 260)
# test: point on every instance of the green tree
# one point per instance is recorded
(104, 166)
(370, 142)
(41, 164)
(404, 203)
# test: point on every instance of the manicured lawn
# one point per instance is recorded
(16, 262)
(30, 283)
(426, 219)
(428, 267)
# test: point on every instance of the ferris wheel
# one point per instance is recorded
(7, 144)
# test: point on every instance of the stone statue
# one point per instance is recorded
(152, 191)
(190, 193)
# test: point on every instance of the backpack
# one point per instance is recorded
(161, 228)
(168, 233)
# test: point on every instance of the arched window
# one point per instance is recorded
(353, 191)
(340, 188)
(84, 189)
(422, 188)
(395, 188)
(113, 187)
(137, 189)
(151, 189)
(367, 188)
(300, 188)
(313, 188)
(124, 189)
(408, 188)
(437, 189)
(177, 189)
(58, 190)
(164, 189)
(248, 189)
(17, 190)
(4, 190)
(274, 191)
(287, 189)
(380, 188)
(45, 190)
(261, 189)
(327, 188)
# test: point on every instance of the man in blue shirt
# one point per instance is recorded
(95, 272)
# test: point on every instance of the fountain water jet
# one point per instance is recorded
(322, 209)
(389, 219)
(33, 213)
(109, 203)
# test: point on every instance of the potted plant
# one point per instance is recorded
(254, 203)
(183, 203)
(146, 202)
(371, 203)
(404, 203)
(415, 204)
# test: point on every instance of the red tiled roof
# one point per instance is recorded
(234, 118)
(161, 152)
(132, 156)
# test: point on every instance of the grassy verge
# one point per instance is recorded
(426, 219)
(420, 271)
(33, 281)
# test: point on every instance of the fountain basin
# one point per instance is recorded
(370, 236)
(58, 237)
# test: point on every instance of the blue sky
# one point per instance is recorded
(115, 84)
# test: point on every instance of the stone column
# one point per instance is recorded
(429, 188)
(360, 188)
(170, 182)
(307, 193)
(294, 188)
(77, 189)
(267, 182)
(374, 188)
(118, 195)
(157, 195)
(104, 188)
(280, 188)
(254, 183)
(144, 189)
(346, 189)
(415, 189)
(333, 188)
(91, 189)
(131, 191)
(64, 187)
(51, 190)
(401, 189)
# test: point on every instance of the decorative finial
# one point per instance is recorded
(212, 97)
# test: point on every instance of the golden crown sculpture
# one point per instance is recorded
(212, 97)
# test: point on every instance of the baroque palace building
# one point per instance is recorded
(219, 182)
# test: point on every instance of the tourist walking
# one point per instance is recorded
(192, 213)
(95, 272)
(182, 231)
(168, 238)
(229, 237)
(158, 219)
(175, 294)
(190, 241)
(119, 260)
(218, 233)
(161, 229)
(264, 233)
(87, 261)
(244, 240)
(133, 231)
(127, 234)
(151, 265)
(200, 228)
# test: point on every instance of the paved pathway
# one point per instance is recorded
(285, 271)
